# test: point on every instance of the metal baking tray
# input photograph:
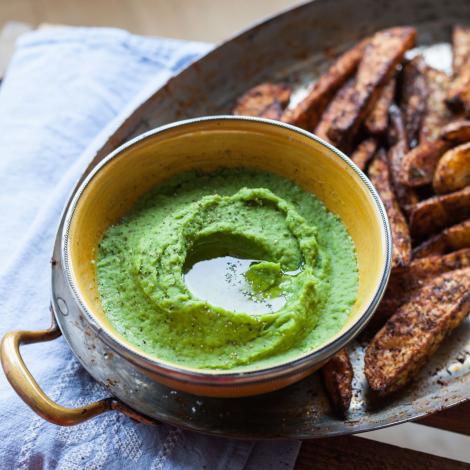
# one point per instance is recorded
(297, 45)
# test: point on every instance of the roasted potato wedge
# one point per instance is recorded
(338, 376)
(414, 97)
(405, 281)
(415, 331)
(418, 165)
(406, 196)
(438, 212)
(452, 238)
(397, 134)
(458, 95)
(453, 170)
(381, 56)
(364, 152)
(437, 114)
(377, 121)
(308, 112)
(333, 110)
(460, 47)
(457, 132)
(379, 174)
(266, 100)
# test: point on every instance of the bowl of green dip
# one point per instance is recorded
(226, 256)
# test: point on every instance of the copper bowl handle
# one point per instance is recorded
(28, 389)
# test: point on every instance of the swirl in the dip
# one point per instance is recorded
(301, 274)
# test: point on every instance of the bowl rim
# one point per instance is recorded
(216, 377)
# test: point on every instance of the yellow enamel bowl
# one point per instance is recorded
(207, 144)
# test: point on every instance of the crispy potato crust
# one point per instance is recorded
(437, 114)
(377, 120)
(333, 110)
(452, 238)
(379, 174)
(338, 376)
(458, 95)
(419, 164)
(438, 212)
(364, 152)
(308, 112)
(381, 56)
(453, 170)
(398, 139)
(266, 100)
(396, 132)
(457, 132)
(416, 330)
(405, 281)
(414, 97)
(460, 47)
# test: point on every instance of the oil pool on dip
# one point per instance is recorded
(237, 269)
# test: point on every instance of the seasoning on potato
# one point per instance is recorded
(364, 152)
(453, 170)
(379, 174)
(405, 281)
(398, 141)
(338, 376)
(377, 120)
(382, 54)
(267, 100)
(456, 131)
(419, 164)
(412, 334)
(437, 113)
(452, 238)
(414, 95)
(308, 112)
(458, 95)
(436, 213)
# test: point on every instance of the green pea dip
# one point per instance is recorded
(237, 269)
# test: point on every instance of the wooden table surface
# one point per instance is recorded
(351, 452)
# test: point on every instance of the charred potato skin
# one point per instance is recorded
(398, 139)
(414, 96)
(416, 330)
(458, 96)
(460, 47)
(382, 54)
(333, 109)
(379, 174)
(405, 281)
(438, 212)
(338, 375)
(308, 112)
(453, 170)
(418, 165)
(364, 152)
(457, 132)
(452, 238)
(377, 121)
(437, 113)
(266, 100)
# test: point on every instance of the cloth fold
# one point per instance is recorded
(62, 88)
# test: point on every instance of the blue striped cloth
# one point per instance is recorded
(62, 88)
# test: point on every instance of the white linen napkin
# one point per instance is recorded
(63, 87)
